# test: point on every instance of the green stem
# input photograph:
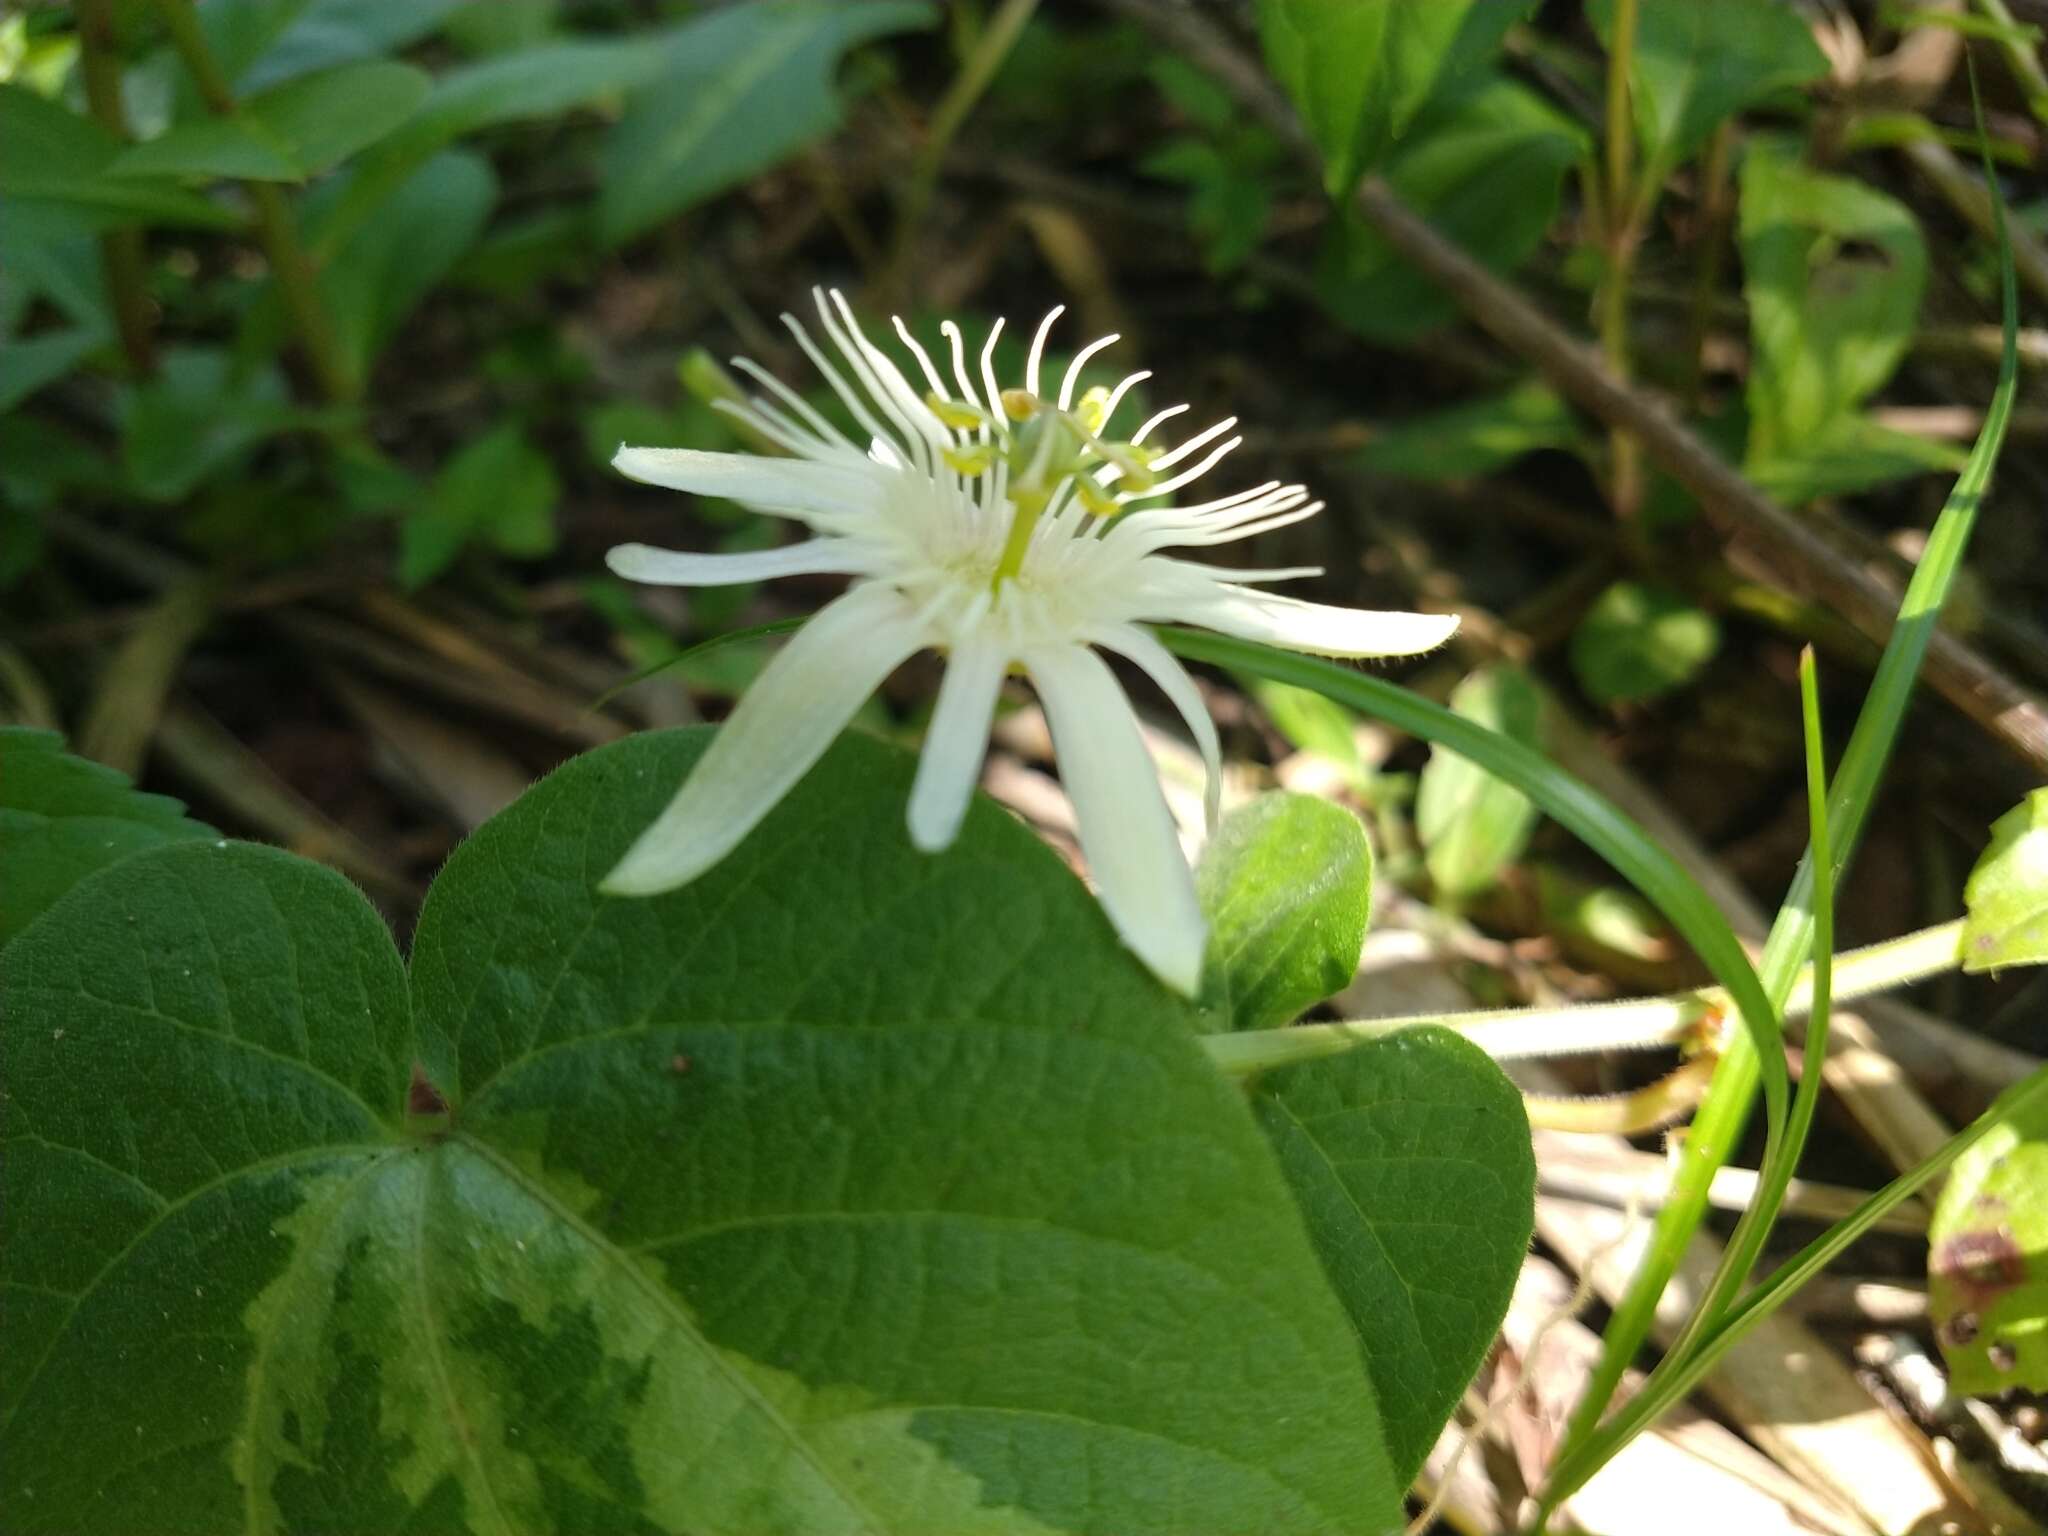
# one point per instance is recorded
(296, 279)
(1620, 230)
(1509, 1034)
(979, 68)
(2019, 57)
(1719, 1124)
(120, 249)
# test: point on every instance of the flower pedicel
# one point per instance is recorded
(1007, 530)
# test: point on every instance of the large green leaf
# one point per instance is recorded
(1833, 271)
(2006, 898)
(1987, 1259)
(1286, 884)
(1473, 825)
(845, 1189)
(743, 87)
(1484, 166)
(1697, 63)
(1410, 1157)
(62, 817)
(1361, 70)
(291, 131)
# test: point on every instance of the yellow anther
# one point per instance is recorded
(1094, 497)
(1019, 404)
(1092, 412)
(958, 416)
(970, 462)
(1135, 462)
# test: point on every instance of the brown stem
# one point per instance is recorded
(1807, 547)
(120, 249)
(274, 224)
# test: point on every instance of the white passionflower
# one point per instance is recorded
(1007, 530)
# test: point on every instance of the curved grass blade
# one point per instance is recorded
(716, 642)
(1718, 1125)
(1597, 823)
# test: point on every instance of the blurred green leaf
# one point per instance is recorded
(1313, 723)
(483, 27)
(1228, 202)
(1987, 1260)
(1638, 641)
(1471, 824)
(1833, 271)
(499, 490)
(1475, 438)
(290, 132)
(54, 170)
(62, 817)
(1411, 1162)
(543, 81)
(1286, 884)
(1601, 918)
(263, 43)
(27, 363)
(741, 88)
(1361, 71)
(2006, 897)
(1699, 62)
(1485, 168)
(197, 417)
(1853, 453)
(376, 278)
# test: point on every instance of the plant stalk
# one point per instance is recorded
(1512, 1034)
(120, 249)
(1620, 229)
(976, 71)
(296, 278)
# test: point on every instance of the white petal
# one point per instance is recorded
(1314, 627)
(955, 743)
(784, 487)
(779, 729)
(1126, 830)
(676, 568)
(1157, 663)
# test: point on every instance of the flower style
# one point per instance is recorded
(1008, 531)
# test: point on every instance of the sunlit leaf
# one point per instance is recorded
(1472, 824)
(1833, 271)
(1361, 70)
(1987, 1260)
(1410, 1157)
(1286, 884)
(845, 1189)
(2006, 898)
(1697, 63)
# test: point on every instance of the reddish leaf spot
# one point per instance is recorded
(1981, 1264)
(422, 1097)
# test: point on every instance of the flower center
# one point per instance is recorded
(1045, 449)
